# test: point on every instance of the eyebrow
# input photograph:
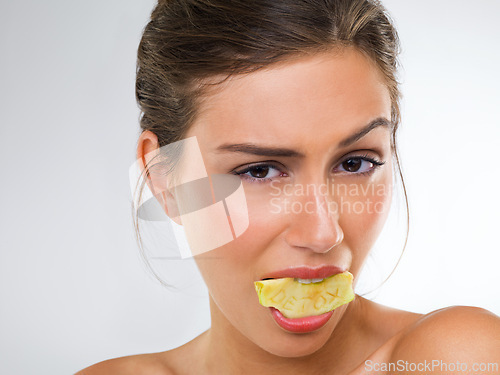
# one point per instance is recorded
(253, 149)
(380, 121)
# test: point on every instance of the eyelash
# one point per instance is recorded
(376, 164)
(251, 167)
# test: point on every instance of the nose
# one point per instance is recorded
(315, 226)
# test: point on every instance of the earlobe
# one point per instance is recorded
(170, 207)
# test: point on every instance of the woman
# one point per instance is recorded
(290, 97)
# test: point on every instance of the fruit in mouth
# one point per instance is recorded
(297, 298)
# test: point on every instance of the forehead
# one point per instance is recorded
(327, 95)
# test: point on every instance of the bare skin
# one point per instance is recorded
(396, 336)
(309, 105)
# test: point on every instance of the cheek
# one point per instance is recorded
(232, 268)
(363, 212)
(230, 271)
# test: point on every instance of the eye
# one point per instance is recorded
(260, 172)
(362, 165)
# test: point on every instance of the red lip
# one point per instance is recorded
(301, 325)
(305, 272)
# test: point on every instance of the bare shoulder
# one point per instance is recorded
(140, 364)
(459, 334)
(171, 362)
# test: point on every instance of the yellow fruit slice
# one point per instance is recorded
(296, 300)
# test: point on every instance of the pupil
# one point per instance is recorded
(352, 165)
(259, 172)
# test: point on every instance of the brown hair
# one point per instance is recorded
(188, 42)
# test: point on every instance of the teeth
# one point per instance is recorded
(309, 281)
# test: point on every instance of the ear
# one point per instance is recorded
(147, 152)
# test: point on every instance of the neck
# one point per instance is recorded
(227, 351)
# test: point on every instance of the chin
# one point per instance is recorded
(294, 345)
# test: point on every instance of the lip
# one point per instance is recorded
(305, 272)
(301, 325)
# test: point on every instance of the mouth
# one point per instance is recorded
(299, 300)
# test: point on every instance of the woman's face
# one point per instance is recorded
(306, 137)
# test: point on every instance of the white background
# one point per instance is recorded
(73, 290)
